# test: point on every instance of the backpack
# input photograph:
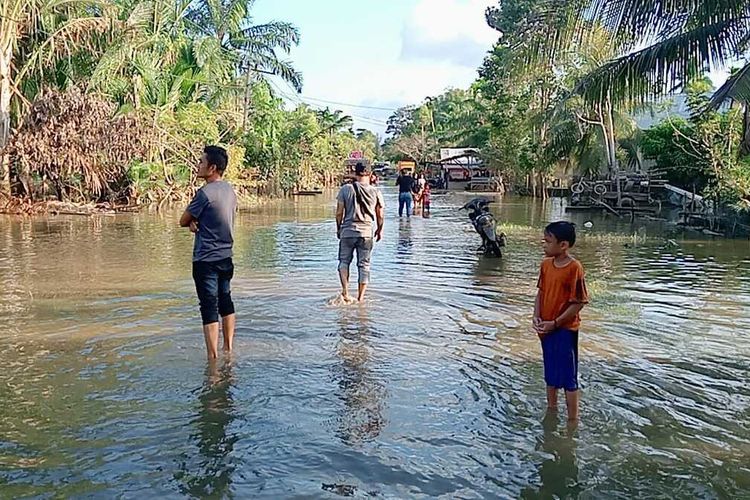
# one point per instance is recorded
(358, 200)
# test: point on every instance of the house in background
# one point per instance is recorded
(461, 164)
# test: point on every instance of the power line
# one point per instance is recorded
(348, 104)
(302, 100)
(317, 99)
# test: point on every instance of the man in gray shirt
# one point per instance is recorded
(211, 217)
(359, 205)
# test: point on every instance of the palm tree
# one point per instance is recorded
(253, 46)
(333, 121)
(34, 34)
(684, 39)
(148, 63)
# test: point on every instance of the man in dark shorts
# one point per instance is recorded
(211, 217)
(359, 206)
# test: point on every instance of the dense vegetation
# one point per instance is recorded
(558, 94)
(114, 100)
(555, 96)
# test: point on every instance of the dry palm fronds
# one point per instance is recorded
(72, 143)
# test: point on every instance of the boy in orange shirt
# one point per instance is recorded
(561, 296)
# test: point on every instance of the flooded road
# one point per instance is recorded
(432, 388)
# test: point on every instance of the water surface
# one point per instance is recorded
(433, 388)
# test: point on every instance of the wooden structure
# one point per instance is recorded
(624, 193)
(465, 168)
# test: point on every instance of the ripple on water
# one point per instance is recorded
(430, 388)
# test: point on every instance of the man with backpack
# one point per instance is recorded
(359, 206)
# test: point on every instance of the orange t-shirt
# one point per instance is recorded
(559, 287)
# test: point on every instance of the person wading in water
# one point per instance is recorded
(359, 205)
(211, 217)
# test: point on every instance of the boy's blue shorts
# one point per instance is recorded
(560, 352)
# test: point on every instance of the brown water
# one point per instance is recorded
(433, 388)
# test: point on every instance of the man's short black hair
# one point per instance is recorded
(361, 168)
(216, 155)
(562, 231)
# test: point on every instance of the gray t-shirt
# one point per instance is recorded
(214, 206)
(358, 220)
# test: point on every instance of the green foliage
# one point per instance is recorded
(667, 144)
(192, 72)
(702, 152)
(303, 148)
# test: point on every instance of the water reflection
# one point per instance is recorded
(442, 355)
(405, 243)
(211, 474)
(559, 472)
(361, 392)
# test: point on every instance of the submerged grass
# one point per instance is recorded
(636, 238)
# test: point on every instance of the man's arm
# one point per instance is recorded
(186, 219)
(380, 217)
(339, 218)
(194, 210)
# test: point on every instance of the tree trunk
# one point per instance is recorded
(6, 56)
(745, 145)
(543, 185)
(246, 103)
(612, 146)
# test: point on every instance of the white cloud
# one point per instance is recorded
(443, 42)
(448, 30)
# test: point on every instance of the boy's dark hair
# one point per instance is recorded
(562, 231)
(216, 155)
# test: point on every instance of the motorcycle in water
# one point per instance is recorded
(485, 224)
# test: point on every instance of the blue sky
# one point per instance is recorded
(381, 53)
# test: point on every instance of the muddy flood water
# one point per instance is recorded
(432, 388)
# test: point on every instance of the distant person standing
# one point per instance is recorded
(426, 200)
(405, 183)
(210, 216)
(359, 206)
(418, 190)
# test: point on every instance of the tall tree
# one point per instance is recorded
(254, 47)
(684, 39)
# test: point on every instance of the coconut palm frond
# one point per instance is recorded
(284, 69)
(663, 66)
(659, 19)
(69, 38)
(278, 34)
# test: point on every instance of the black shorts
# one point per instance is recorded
(212, 282)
